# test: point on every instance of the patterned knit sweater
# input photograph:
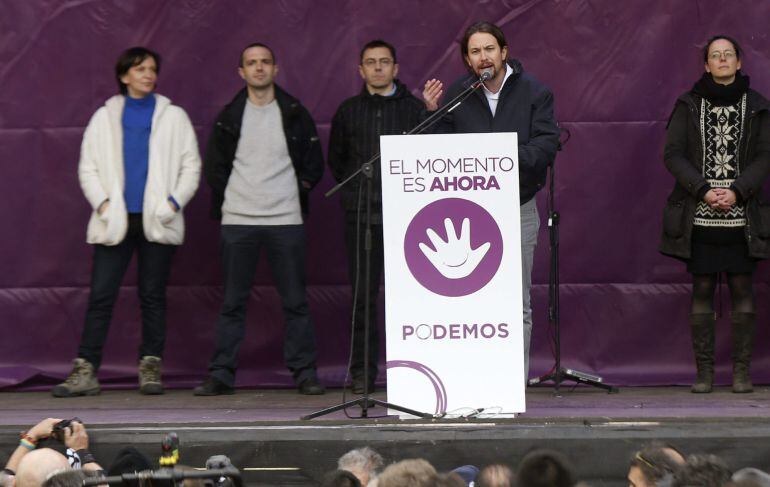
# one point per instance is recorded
(721, 129)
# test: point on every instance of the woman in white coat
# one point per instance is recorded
(139, 166)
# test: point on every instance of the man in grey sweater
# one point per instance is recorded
(262, 159)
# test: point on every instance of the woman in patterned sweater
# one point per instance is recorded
(718, 150)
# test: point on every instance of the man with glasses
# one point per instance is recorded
(383, 107)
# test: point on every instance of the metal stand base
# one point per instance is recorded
(366, 403)
(561, 375)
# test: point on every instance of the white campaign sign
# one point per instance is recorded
(453, 272)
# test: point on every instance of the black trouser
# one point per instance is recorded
(351, 236)
(110, 264)
(285, 247)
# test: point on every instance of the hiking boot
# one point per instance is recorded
(213, 387)
(81, 381)
(149, 375)
(702, 328)
(311, 387)
(743, 342)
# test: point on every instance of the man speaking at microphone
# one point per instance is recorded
(509, 100)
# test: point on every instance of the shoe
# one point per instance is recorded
(213, 387)
(702, 328)
(149, 375)
(357, 385)
(743, 342)
(81, 381)
(311, 387)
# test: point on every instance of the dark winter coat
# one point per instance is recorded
(525, 107)
(683, 156)
(355, 137)
(301, 139)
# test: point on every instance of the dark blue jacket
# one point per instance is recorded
(525, 107)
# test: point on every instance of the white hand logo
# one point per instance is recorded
(454, 259)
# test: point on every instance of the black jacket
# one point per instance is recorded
(525, 107)
(683, 156)
(301, 139)
(355, 137)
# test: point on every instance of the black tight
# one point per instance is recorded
(741, 293)
(703, 286)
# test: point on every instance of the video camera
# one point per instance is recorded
(219, 472)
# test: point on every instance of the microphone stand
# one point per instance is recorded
(559, 374)
(367, 170)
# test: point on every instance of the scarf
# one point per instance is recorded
(721, 95)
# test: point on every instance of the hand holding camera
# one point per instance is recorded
(75, 435)
(43, 429)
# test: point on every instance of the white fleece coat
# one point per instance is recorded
(174, 168)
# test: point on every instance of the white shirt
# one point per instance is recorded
(492, 98)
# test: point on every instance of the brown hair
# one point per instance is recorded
(485, 27)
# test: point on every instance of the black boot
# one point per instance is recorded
(702, 328)
(743, 342)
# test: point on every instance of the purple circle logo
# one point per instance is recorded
(453, 247)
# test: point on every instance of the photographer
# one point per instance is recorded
(30, 465)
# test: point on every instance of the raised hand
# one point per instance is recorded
(431, 94)
(454, 259)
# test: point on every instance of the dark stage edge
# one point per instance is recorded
(261, 432)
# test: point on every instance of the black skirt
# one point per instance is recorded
(720, 250)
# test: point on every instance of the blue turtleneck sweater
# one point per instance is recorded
(137, 125)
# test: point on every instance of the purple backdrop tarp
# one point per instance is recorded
(615, 68)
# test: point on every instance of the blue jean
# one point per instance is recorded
(285, 248)
(110, 264)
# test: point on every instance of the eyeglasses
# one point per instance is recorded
(716, 55)
(639, 457)
(371, 62)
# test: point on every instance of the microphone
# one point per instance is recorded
(486, 74)
(170, 450)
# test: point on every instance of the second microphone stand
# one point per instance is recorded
(559, 374)
(367, 171)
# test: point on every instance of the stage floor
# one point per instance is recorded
(258, 405)
(261, 432)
